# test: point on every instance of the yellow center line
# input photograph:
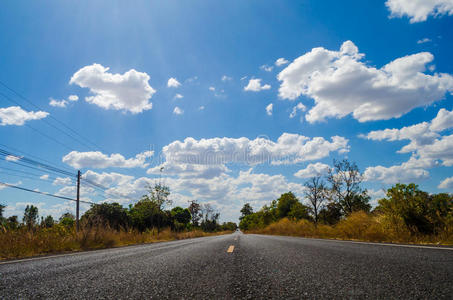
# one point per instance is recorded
(230, 249)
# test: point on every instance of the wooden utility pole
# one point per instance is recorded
(78, 200)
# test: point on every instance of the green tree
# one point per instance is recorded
(48, 222)
(330, 214)
(299, 211)
(420, 211)
(113, 215)
(210, 218)
(285, 203)
(12, 222)
(345, 179)
(181, 217)
(246, 210)
(30, 216)
(67, 220)
(143, 214)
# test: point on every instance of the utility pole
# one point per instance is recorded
(78, 200)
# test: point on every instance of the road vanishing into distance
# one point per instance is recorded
(236, 266)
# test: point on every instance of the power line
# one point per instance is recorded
(31, 155)
(52, 117)
(38, 164)
(43, 193)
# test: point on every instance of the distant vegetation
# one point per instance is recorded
(108, 225)
(338, 207)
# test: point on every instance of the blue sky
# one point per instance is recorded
(350, 70)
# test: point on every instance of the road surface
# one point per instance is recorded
(235, 266)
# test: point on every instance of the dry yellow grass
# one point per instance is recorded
(358, 226)
(57, 239)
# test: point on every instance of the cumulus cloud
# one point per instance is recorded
(423, 41)
(212, 89)
(254, 85)
(173, 83)
(179, 96)
(419, 10)
(266, 68)
(298, 107)
(107, 179)
(178, 111)
(428, 147)
(44, 177)
(127, 92)
(15, 115)
(447, 183)
(269, 109)
(281, 61)
(62, 181)
(312, 170)
(340, 83)
(189, 170)
(201, 107)
(289, 148)
(99, 160)
(64, 102)
(226, 78)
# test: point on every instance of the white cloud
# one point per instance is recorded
(266, 68)
(107, 179)
(201, 107)
(427, 146)
(341, 84)
(289, 148)
(178, 111)
(2, 186)
(179, 96)
(212, 89)
(62, 181)
(79, 160)
(14, 115)
(269, 109)
(312, 170)
(127, 92)
(173, 83)
(189, 170)
(44, 177)
(403, 173)
(12, 158)
(422, 41)
(226, 78)
(447, 183)
(254, 85)
(63, 103)
(419, 10)
(298, 107)
(420, 135)
(281, 61)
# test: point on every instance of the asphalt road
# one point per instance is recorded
(257, 266)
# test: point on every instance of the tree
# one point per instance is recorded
(345, 179)
(12, 222)
(210, 218)
(420, 211)
(299, 211)
(158, 194)
(316, 193)
(48, 222)
(195, 212)
(67, 219)
(143, 214)
(181, 217)
(285, 203)
(330, 214)
(113, 215)
(245, 211)
(30, 216)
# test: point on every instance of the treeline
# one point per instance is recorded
(337, 206)
(148, 213)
